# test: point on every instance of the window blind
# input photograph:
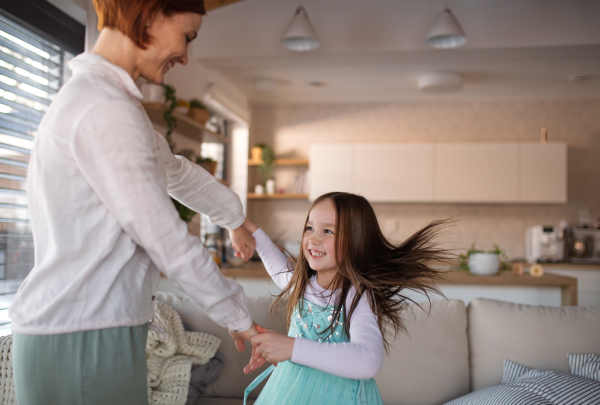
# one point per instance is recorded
(32, 70)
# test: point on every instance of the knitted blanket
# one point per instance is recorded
(7, 386)
(171, 355)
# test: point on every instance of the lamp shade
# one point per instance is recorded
(440, 82)
(446, 32)
(300, 35)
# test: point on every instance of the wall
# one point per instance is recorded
(291, 129)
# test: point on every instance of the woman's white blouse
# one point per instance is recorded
(103, 224)
(362, 357)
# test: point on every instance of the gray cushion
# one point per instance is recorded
(430, 364)
(585, 364)
(523, 385)
(535, 336)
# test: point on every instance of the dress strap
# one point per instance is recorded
(361, 396)
(257, 381)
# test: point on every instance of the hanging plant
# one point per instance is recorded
(170, 121)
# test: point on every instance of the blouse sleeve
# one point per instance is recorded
(123, 171)
(197, 189)
(274, 260)
(361, 358)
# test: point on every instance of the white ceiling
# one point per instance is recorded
(374, 50)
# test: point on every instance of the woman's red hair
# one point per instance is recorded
(131, 16)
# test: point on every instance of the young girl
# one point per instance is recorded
(345, 294)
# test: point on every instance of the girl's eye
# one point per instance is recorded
(328, 231)
(309, 228)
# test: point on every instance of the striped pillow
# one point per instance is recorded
(586, 365)
(523, 385)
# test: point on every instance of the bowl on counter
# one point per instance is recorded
(484, 264)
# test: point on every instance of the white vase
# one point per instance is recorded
(259, 189)
(270, 187)
(484, 264)
(153, 93)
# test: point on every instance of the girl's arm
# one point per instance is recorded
(361, 358)
(274, 260)
(197, 189)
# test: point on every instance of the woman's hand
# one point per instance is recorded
(243, 242)
(272, 346)
(250, 226)
(240, 339)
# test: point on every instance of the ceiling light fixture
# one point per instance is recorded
(265, 85)
(446, 32)
(300, 35)
(440, 82)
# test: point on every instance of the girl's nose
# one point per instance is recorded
(314, 240)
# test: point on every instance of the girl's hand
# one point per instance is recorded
(272, 346)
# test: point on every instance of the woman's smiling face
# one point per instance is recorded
(170, 37)
(318, 241)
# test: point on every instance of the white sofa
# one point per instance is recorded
(450, 352)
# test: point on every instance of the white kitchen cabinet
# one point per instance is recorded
(543, 173)
(394, 172)
(442, 172)
(330, 169)
(477, 172)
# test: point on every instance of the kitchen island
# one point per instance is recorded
(549, 289)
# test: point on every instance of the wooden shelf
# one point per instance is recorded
(254, 196)
(281, 162)
(186, 126)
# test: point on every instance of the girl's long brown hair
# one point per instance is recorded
(372, 264)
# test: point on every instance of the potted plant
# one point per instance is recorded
(183, 107)
(198, 111)
(483, 263)
(206, 163)
(265, 169)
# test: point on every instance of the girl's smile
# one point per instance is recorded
(318, 242)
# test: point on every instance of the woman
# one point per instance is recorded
(104, 225)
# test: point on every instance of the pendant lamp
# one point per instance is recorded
(446, 32)
(300, 35)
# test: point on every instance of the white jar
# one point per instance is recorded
(259, 189)
(484, 264)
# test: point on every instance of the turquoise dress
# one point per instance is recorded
(294, 384)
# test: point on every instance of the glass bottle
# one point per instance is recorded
(214, 245)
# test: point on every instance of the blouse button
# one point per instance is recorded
(153, 297)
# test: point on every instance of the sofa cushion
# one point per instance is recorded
(585, 364)
(232, 381)
(523, 385)
(430, 363)
(535, 336)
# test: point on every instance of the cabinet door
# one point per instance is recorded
(394, 172)
(330, 169)
(543, 173)
(477, 173)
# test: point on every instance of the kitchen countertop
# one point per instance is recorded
(568, 285)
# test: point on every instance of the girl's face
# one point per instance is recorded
(318, 241)
(169, 44)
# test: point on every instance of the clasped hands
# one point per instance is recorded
(267, 345)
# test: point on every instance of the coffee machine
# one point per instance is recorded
(544, 244)
(583, 245)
